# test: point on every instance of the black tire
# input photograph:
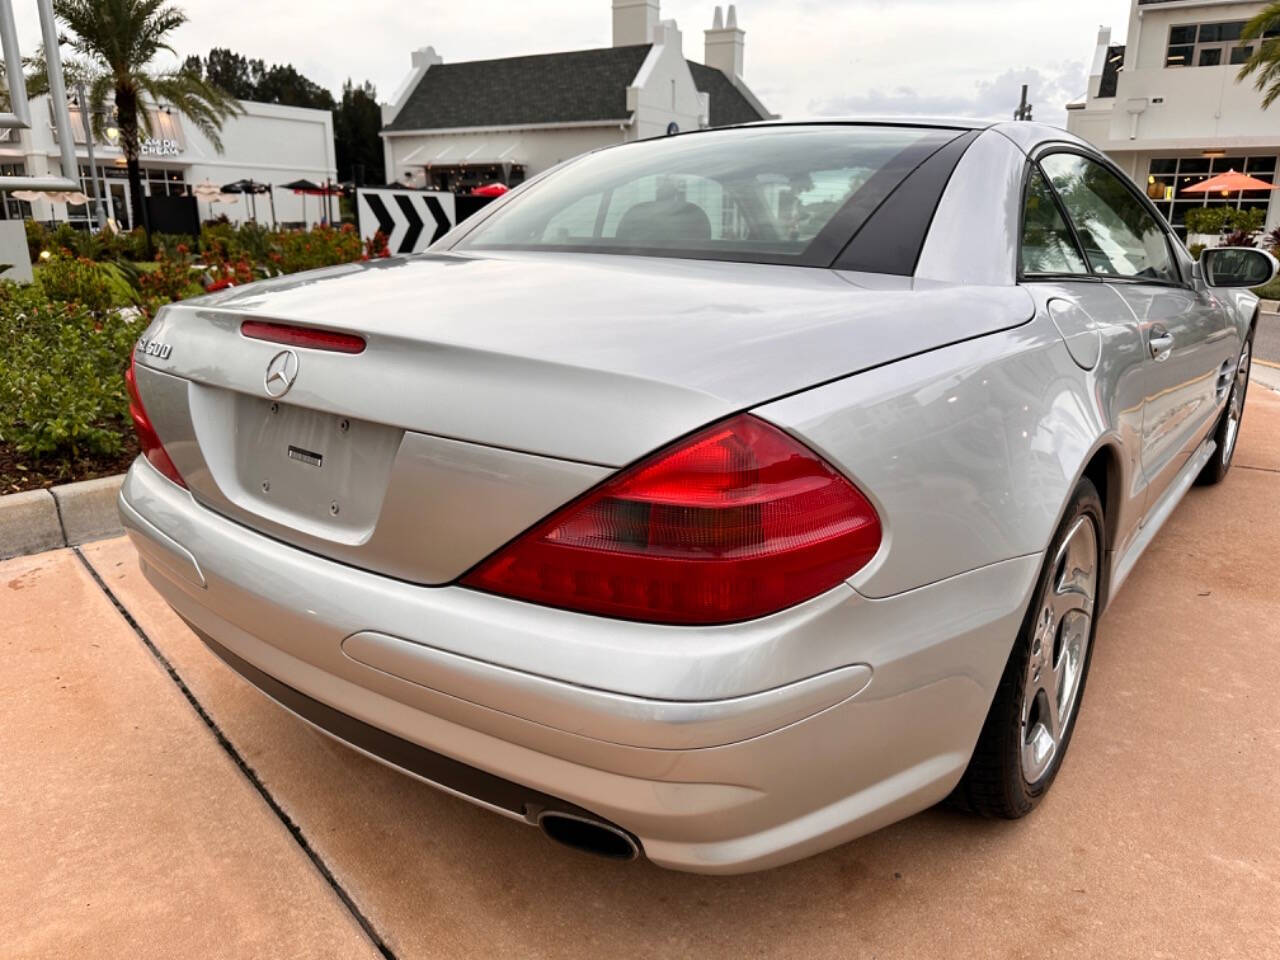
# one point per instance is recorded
(1216, 469)
(994, 784)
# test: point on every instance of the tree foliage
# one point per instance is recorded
(357, 118)
(235, 74)
(1264, 63)
(250, 79)
(356, 126)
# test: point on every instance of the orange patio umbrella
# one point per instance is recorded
(1230, 182)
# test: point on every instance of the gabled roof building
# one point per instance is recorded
(455, 125)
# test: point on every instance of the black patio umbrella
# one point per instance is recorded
(252, 188)
(303, 187)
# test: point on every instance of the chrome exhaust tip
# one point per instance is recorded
(588, 835)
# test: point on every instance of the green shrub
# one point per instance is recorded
(102, 246)
(135, 245)
(77, 280)
(1207, 219)
(317, 247)
(256, 243)
(1195, 250)
(219, 240)
(37, 239)
(171, 279)
(1218, 219)
(92, 246)
(1270, 292)
(63, 237)
(1247, 221)
(64, 342)
(163, 243)
(62, 391)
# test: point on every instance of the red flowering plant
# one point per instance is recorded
(376, 246)
(222, 271)
(172, 277)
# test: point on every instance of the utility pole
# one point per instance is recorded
(99, 214)
(1024, 109)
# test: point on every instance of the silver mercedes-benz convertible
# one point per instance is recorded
(717, 498)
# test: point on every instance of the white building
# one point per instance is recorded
(267, 143)
(456, 125)
(1166, 106)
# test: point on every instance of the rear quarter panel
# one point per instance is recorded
(969, 452)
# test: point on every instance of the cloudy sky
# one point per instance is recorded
(803, 57)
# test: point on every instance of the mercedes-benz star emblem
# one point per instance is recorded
(281, 372)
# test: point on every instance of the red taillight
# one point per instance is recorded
(312, 337)
(737, 521)
(148, 439)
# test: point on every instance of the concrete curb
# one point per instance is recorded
(61, 516)
(1265, 374)
(1269, 306)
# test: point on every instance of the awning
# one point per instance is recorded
(428, 155)
(486, 152)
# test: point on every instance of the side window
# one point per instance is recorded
(1047, 244)
(1120, 236)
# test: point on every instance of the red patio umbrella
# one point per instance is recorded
(1229, 182)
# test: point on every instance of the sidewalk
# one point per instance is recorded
(127, 831)
(1266, 340)
(130, 830)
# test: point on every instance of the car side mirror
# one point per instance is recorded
(1237, 267)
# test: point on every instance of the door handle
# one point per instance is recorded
(1160, 341)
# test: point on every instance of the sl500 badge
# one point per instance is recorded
(154, 348)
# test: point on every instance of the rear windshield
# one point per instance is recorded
(773, 194)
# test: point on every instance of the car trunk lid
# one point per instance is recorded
(492, 389)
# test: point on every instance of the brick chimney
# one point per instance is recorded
(724, 43)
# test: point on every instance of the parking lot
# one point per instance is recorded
(156, 805)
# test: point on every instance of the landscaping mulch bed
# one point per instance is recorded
(18, 472)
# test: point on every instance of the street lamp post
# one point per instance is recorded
(99, 212)
(1024, 109)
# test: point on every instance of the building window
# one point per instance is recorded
(1209, 44)
(161, 183)
(1169, 177)
(1241, 54)
(12, 209)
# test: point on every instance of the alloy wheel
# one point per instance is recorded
(1235, 405)
(1059, 645)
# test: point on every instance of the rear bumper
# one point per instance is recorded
(443, 772)
(721, 749)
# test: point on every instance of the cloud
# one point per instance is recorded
(1048, 90)
(802, 56)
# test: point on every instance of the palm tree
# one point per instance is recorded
(120, 38)
(35, 69)
(1265, 60)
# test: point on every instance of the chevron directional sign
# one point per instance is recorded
(411, 220)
